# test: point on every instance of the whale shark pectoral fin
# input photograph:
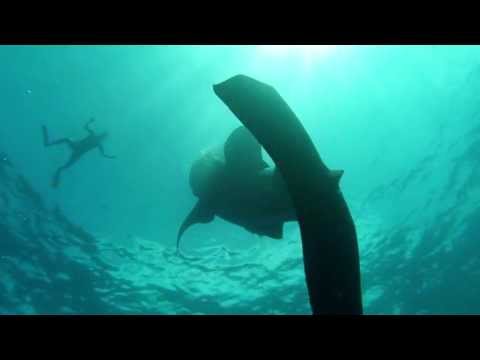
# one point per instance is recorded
(200, 214)
(243, 152)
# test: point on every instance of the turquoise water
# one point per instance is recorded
(402, 121)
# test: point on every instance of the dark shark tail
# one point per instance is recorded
(329, 240)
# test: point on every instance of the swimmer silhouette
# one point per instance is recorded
(78, 148)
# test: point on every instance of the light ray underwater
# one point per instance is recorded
(242, 180)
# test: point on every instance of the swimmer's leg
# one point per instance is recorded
(87, 126)
(56, 177)
(46, 142)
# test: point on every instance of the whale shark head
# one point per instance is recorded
(204, 173)
(239, 158)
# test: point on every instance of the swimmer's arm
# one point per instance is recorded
(102, 151)
(87, 126)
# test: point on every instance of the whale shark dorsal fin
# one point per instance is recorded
(200, 214)
(243, 152)
(336, 175)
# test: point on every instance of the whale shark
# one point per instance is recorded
(239, 187)
(328, 234)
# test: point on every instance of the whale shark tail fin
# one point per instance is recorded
(329, 240)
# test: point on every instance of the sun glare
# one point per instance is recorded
(308, 54)
(304, 50)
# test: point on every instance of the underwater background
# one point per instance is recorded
(402, 121)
